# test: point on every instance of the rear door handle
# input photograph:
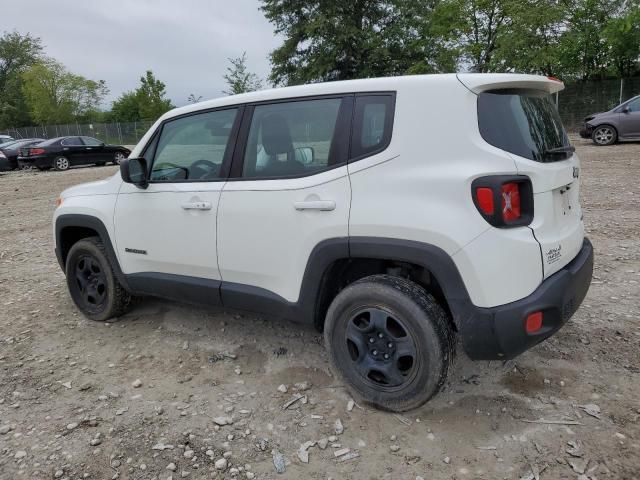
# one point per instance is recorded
(323, 205)
(196, 206)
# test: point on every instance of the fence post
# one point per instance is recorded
(621, 89)
(119, 132)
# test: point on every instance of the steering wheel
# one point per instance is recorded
(207, 167)
(168, 165)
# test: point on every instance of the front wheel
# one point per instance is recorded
(92, 283)
(604, 135)
(118, 157)
(390, 341)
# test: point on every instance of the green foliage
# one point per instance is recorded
(55, 95)
(238, 79)
(147, 102)
(151, 97)
(17, 53)
(622, 35)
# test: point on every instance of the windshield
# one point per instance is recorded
(523, 122)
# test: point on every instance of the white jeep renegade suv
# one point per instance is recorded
(397, 215)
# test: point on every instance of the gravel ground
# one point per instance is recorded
(178, 391)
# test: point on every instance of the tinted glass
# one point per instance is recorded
(51, 141)
(72, 142)
(292, 138)
(634, 105)
(525, 123)
(373, 123)
(92, 142)
(193, 147)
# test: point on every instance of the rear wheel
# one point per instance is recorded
(92, 283)
(61, 163)
(390, 341)
(604, 135)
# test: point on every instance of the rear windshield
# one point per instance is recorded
(523, 122)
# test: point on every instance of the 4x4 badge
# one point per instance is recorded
(576, 172)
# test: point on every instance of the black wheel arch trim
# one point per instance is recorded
(74, 220)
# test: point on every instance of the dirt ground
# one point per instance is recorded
(69, 407)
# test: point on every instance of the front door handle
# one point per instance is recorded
(196, 206)
(323, 205)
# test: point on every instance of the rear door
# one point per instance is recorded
(74, 150)
(525, 123)
(288, 191)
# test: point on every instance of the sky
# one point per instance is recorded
(186, 43)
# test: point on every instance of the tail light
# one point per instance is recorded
(36, 151)
(504, 200)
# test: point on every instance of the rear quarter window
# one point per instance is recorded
(523, 122)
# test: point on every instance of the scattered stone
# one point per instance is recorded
(162, 446)
(67, 385)
(221, 464)
(348, 456)
(394, 448)
(303, 451)
(142, 466)
(185, 345)
(58, 474)
(137, 383)
(302, 386)
(20, 454)
(94, 442)
(222, 421)
(283, 388)
(338, 427)
(172, 467)
(447, 460)
(5, 429)
(188, 454)
(72, 426)
(279, 461)
(578, 465)
(350, 405)
(322, 443)
(591, 409)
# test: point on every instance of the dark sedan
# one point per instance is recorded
(64, 152)
(11, 150)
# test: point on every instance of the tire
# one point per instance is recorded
(604, 135)
(92, 283)
(118, 157)
(61, 163)
(416, 338)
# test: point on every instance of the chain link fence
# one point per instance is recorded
(575, 102)
(120, 133)
(580, 99)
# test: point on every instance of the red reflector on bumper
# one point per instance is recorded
(534, 322)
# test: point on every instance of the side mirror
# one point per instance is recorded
(626, 109)
(305, 155)
(134, 170)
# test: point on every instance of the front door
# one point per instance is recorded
(630, 119)
(289, 190)
(74, 150)
(95, 151)
(167, 232)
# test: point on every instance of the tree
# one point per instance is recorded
(622, 35)
(193, 99)
(55, 95)
(328, 40)
(238, 79)
(151, 97)
(17, 53)
(125, 108)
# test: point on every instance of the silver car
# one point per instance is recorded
(621, 123)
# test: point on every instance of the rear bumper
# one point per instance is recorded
(36, 161)
(499, 332)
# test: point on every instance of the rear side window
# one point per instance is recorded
(523, 122)
(72, 142)
(291, 138)
(373, 123)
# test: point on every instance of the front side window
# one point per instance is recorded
(291, 139)
(634, 105)
(72, 142)
(193, 148)
(523, 122)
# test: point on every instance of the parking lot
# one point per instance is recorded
(170, 390)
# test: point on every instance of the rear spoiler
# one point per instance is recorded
(481, 82)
